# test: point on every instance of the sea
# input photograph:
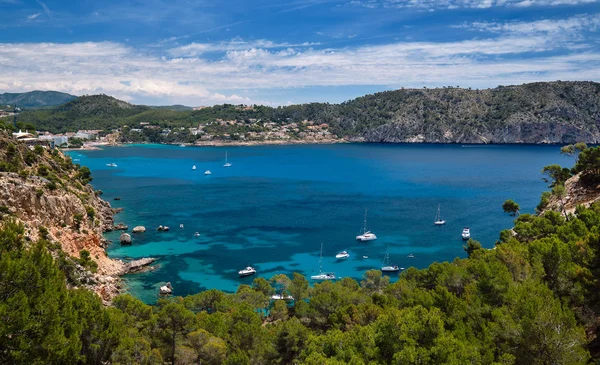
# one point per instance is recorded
(276, 206)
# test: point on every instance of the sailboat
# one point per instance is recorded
(386, 263)
(227, 164)
(323, 275)
(194, 167)
(367, 235)
(438, 218)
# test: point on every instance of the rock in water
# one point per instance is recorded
(139, 229)
(125, 239)
(121, 227)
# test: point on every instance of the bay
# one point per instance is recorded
(275, 205)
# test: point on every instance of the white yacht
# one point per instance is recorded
(247, 271)
(342, 255)
(111, 164)
(207, 172)
(227, 164)
(367, 235)
(194, 167)
(466, 233)
(410, 256)
(386, 263)
(438, 218)
(323, 275)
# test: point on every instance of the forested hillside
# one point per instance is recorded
(35, 99)
(552, 112)
(534, 299)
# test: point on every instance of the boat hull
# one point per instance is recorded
(390, 269)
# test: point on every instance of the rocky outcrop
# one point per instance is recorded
(139, 229)
(577, 193)
(125, 239)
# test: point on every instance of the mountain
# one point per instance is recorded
(543, 112)
(35, 99)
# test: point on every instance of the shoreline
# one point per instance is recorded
(221, 143)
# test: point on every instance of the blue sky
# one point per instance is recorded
(279, 52)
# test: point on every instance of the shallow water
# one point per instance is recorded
(276, 204)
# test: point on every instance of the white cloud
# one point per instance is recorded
(555, 26)
(456, 4)
(33, 16)
(522, 52)
(196, 49)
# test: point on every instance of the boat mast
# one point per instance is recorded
(225, 157)
(321, 260)
(365, 224)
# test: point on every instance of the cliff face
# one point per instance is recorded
(35, 205)
(51, 197)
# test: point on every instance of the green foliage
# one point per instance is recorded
(90, 212)
(558, 175)
(510, 207)
(588, 164)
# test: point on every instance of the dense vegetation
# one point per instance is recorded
(531, 300)
(35, 99)
(555, 112)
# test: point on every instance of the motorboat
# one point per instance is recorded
(322, 275)
(466, 233)
(410, 255)
(207, 172)
(111, 164)
(367, 235)
(181, 226)
(197, 234)
(342, 255)
(247, 271)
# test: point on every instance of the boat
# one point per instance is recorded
(197, 234)
(342, 255)
(181, 226)
(365, 257)
(182, 145)
(410, 255)
(207, 172)
(194, 167)
(227, 164)
(386, 263)
(323, 275)
(367, 235)
(438, 218)
(247, 271)
(111, 164)
(466, 233)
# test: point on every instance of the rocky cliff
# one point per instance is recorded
(51, 197)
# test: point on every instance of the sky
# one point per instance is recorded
(275, 52)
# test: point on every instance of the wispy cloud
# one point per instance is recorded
(457, 4)
(196, 49)
(46, 9)
(513, 53)
(33, 16)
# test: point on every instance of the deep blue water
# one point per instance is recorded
(276, 204)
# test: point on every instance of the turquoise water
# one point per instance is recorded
(276, 204)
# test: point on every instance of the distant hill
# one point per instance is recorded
(543, 112)
(35, 99)
(177, 107)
